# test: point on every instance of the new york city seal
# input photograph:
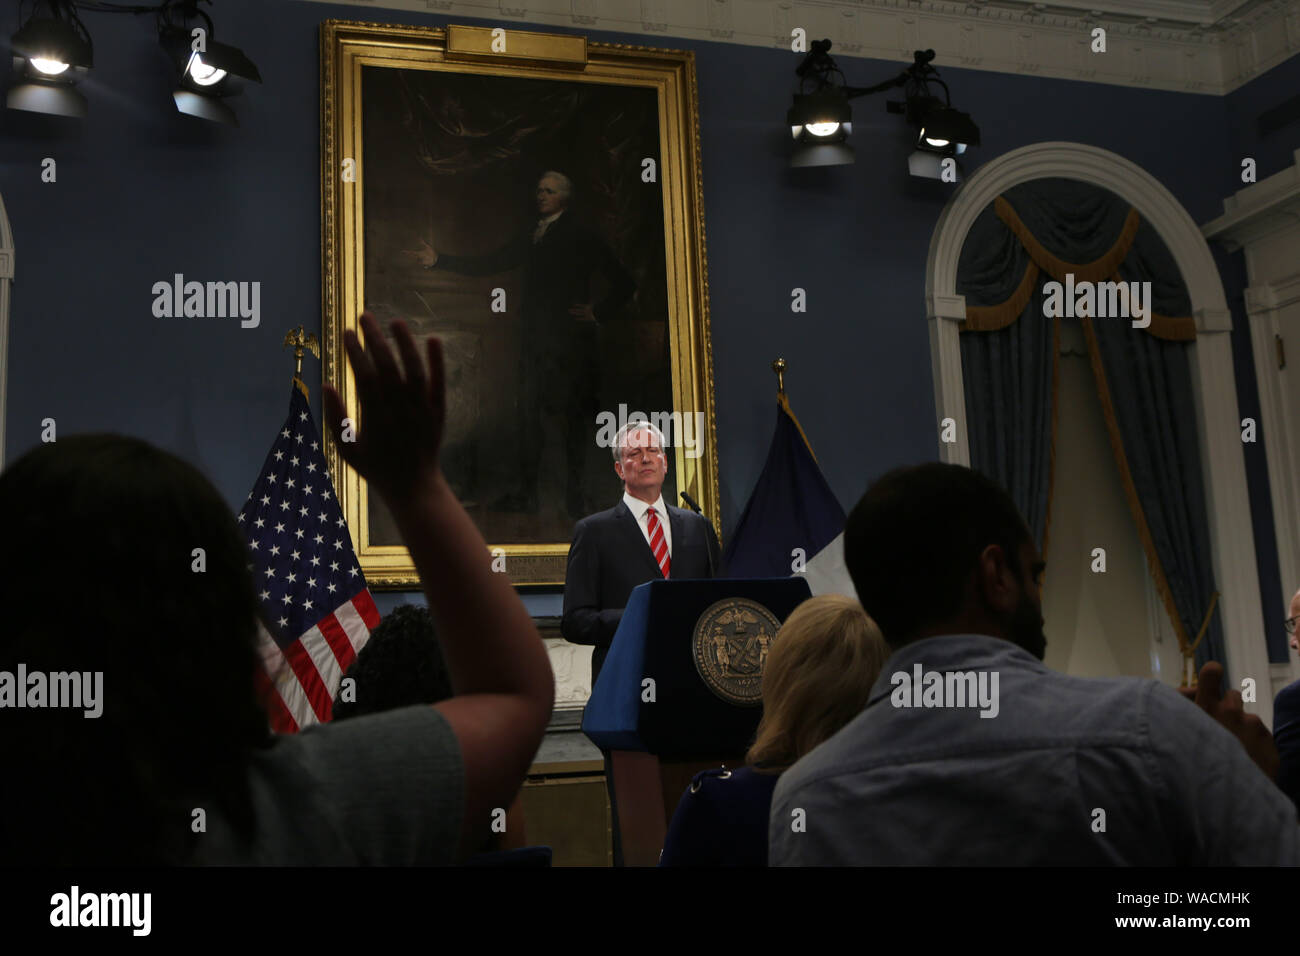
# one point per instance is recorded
(732, 640)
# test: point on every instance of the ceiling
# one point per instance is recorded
(1199, 46)
(1200, 15)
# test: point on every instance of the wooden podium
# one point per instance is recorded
(656, 713)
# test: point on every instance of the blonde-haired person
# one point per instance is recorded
(819, 674)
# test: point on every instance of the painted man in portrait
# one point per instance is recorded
(558, 373)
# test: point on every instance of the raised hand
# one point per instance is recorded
(403, 411)
(427, 256)
(1229, 712)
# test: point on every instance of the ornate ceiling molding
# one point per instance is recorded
(1197, 46)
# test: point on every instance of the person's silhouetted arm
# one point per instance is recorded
(499, 669)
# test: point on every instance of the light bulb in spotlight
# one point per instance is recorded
(202, 73)
(821, 129)
(48, 66)
(934, 141)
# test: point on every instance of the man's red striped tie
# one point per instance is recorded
(658, 544)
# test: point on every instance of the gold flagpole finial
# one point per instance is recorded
(779, 367)
(300, 340)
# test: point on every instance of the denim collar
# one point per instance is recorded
(950, 652)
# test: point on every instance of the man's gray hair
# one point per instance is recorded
(631, 428)
(566, 184)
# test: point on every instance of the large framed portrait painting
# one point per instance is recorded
(535, 201)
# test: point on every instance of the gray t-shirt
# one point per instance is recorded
(382, 789)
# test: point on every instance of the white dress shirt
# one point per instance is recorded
(639, 511)
(543, 224)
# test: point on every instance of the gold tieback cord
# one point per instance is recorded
(1094, 271)
(990, 318)
(1187, 647)
(1189, 651)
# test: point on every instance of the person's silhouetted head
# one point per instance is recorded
(400, 665)
(818, 677)
(123, 560)
(942, 549)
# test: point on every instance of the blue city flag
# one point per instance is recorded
(792, 524)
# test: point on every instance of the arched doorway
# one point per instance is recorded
(1218, 424)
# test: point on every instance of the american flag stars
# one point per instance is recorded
(288, 521)
(315, 621)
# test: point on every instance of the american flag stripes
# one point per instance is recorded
(316, 607)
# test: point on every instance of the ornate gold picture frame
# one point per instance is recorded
(457, 128)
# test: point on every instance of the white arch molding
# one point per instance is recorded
(1222, 458)
(6, 280)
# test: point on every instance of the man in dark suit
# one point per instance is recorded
(1286, 718)
(616, 550)
(557, 349)
(632, 543)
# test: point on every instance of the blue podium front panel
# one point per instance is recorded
(650, 695)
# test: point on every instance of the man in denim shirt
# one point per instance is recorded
(972, 752)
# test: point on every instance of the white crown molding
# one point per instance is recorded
(1198, 46)
(1223, 464)
(1259, 210)
(1274, 295)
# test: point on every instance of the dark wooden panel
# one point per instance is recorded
(571, 816)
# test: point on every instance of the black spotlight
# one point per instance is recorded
(947, 131)
(820, 124)
(820, 120)
(943, 133)
(52, 54)
(941, 129)
(207, 71)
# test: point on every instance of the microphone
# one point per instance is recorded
(690, 503)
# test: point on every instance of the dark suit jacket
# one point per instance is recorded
(1286, 734)
(558, 272)
(610, 556)
(721, 820)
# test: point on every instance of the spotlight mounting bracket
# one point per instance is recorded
(920, 105)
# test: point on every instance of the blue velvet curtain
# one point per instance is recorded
(1036, 233)
(1008, 378)
(1150, 387)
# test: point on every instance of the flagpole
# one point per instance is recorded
(783, 402)
(300, 341)
(303, 615)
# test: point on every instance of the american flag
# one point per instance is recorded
(314, 597)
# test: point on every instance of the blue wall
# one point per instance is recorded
(144, 193)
